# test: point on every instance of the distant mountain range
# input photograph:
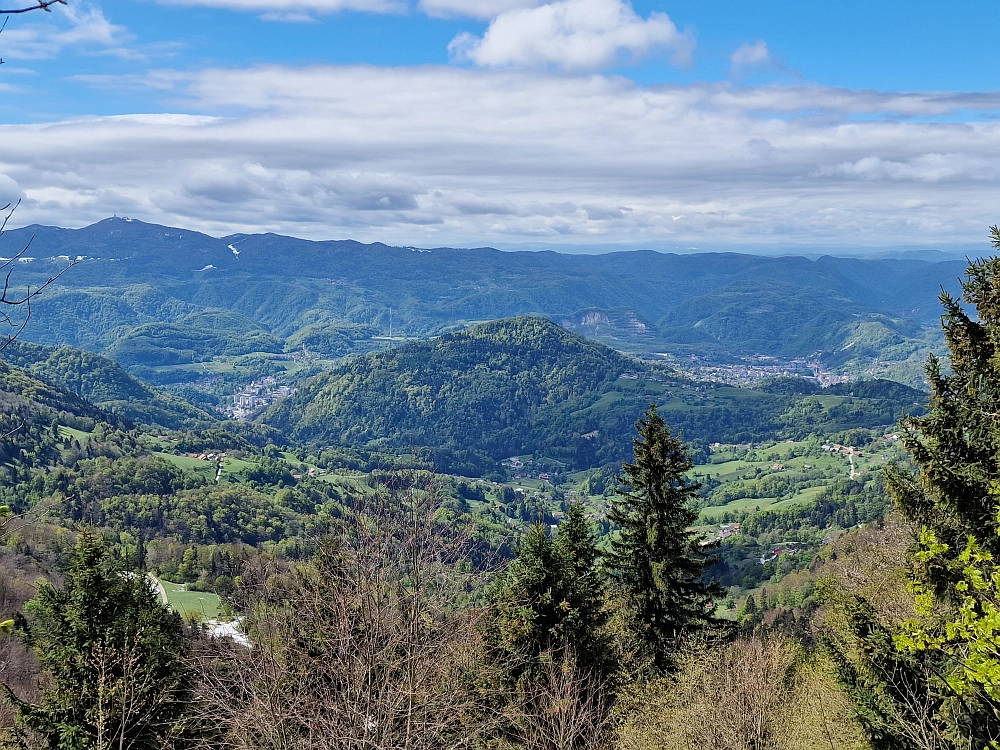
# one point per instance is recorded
(151, 296)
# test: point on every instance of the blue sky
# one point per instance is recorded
(567, 123)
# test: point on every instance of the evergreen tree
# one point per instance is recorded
(113, 655)
(577, 539)
(956, 445)
(938, 673)
(655, 559)
(547, 605)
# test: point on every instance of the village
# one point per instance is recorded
(253, 397)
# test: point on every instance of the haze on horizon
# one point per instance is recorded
(576, 125)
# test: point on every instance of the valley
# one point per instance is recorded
(222, 443)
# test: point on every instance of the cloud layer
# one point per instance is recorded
(439, 155)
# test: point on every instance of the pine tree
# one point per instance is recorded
(113, 655)
(655, 559)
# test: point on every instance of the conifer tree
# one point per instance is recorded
(577, 539)
(113, 654)
(956, 444)
(655, 559)
(578, 542)
(549, 602)
(938, 674)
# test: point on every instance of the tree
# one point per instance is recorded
(114, 657)
(10, 301)
(369, 646)
(548, 604)
(932, 680)
(655, 560)
(40, 5)
(957, 444)
(547, 647)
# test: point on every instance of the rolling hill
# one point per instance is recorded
(105, 384)
(527, 386)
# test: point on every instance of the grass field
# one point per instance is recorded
(65, 432)
(181, 600)
(206, 468)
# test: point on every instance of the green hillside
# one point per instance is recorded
(104, 383)
(153, 296)
(525, 385)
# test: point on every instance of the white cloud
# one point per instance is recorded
(748, 57)
(572, 35)
(74, 25)
(297, 10)
(438, 155)
(481, 9)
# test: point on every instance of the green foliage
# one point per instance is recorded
(957, 444)
(105, 383)
(153, 344)
(548, 604)
(525, 385)
(943, 664)
(496, 388)
(896, 694)
(332, 339)
(656, 561)
(851, 310)
(269, 472)
(114, 656)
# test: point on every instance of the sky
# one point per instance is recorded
(583, 125)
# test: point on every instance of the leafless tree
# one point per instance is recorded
(755, 693)
(370, 647)
(567, 709)
(40, 5)
(12, 303)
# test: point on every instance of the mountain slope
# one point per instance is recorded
(138, 279)
(524, 385)
(103, 382)
(491, 388)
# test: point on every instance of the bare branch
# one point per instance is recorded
(18, 300)
(41, 5)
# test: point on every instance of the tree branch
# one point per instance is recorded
(41, 5)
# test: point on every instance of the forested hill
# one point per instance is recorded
(525, 385)
(153, 296)
(499, 388)
(104, 383)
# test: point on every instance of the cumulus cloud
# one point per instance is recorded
(438, 155)
(748, 57)
(572, 35)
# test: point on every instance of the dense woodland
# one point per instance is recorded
(499, 538)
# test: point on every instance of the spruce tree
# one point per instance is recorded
(113, 656)
(956, 445)
(577, 540)
(655, 559)
(548, 604)
(939, 671)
